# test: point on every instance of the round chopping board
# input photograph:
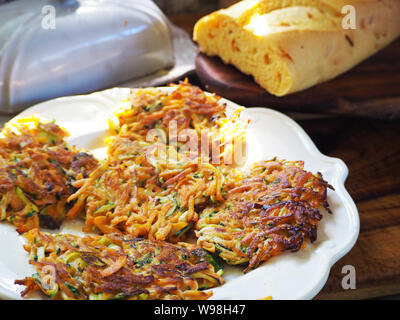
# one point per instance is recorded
(371, 89)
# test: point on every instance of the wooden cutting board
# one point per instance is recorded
(371, 89)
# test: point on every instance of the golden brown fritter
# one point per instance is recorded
(183, 118)
(37, 169)
(274, 207)
(145, 196)
(185, 107)
(117, 267)
(151, 185)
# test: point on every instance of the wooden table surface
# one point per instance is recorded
(371, 150)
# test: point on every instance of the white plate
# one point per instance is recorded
(298, 275)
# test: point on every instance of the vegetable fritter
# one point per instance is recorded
(185, 107)
(184, 118)
(272, 208)
(129, 197)
(37, 169)
(152, 184)
(118, 267)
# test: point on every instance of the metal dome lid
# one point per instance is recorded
(54, 48)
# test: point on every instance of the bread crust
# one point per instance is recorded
(291, 45)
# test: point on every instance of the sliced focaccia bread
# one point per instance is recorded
(291, 45)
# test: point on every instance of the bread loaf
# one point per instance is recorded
(291, 45)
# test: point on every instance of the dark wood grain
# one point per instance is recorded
(371, 149)
(371, 90)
